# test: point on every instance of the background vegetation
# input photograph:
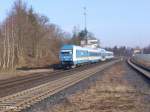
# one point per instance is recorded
(29, 39)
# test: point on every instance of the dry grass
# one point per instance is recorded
(111, 94)
(7, 75)
(143, 62)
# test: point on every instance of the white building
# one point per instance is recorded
(91, 43)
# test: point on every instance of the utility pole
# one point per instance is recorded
(85, 23)
(85, 14)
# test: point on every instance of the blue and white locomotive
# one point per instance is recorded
(72, 55)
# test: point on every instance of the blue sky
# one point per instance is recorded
(114, 22)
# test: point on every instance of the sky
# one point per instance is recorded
(114, 22)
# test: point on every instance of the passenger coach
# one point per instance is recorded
(71, 55)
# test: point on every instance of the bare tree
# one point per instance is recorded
(28, 39)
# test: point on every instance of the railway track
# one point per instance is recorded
(21, 100)
(6, 83)
(139, 69)
(14, 85)
(35, 76)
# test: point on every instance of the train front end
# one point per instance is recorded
(66, 56)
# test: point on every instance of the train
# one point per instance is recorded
(72, 55)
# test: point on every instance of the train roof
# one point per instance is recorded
(71, 46)
(67, 46)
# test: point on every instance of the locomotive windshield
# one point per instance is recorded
(66, 52)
